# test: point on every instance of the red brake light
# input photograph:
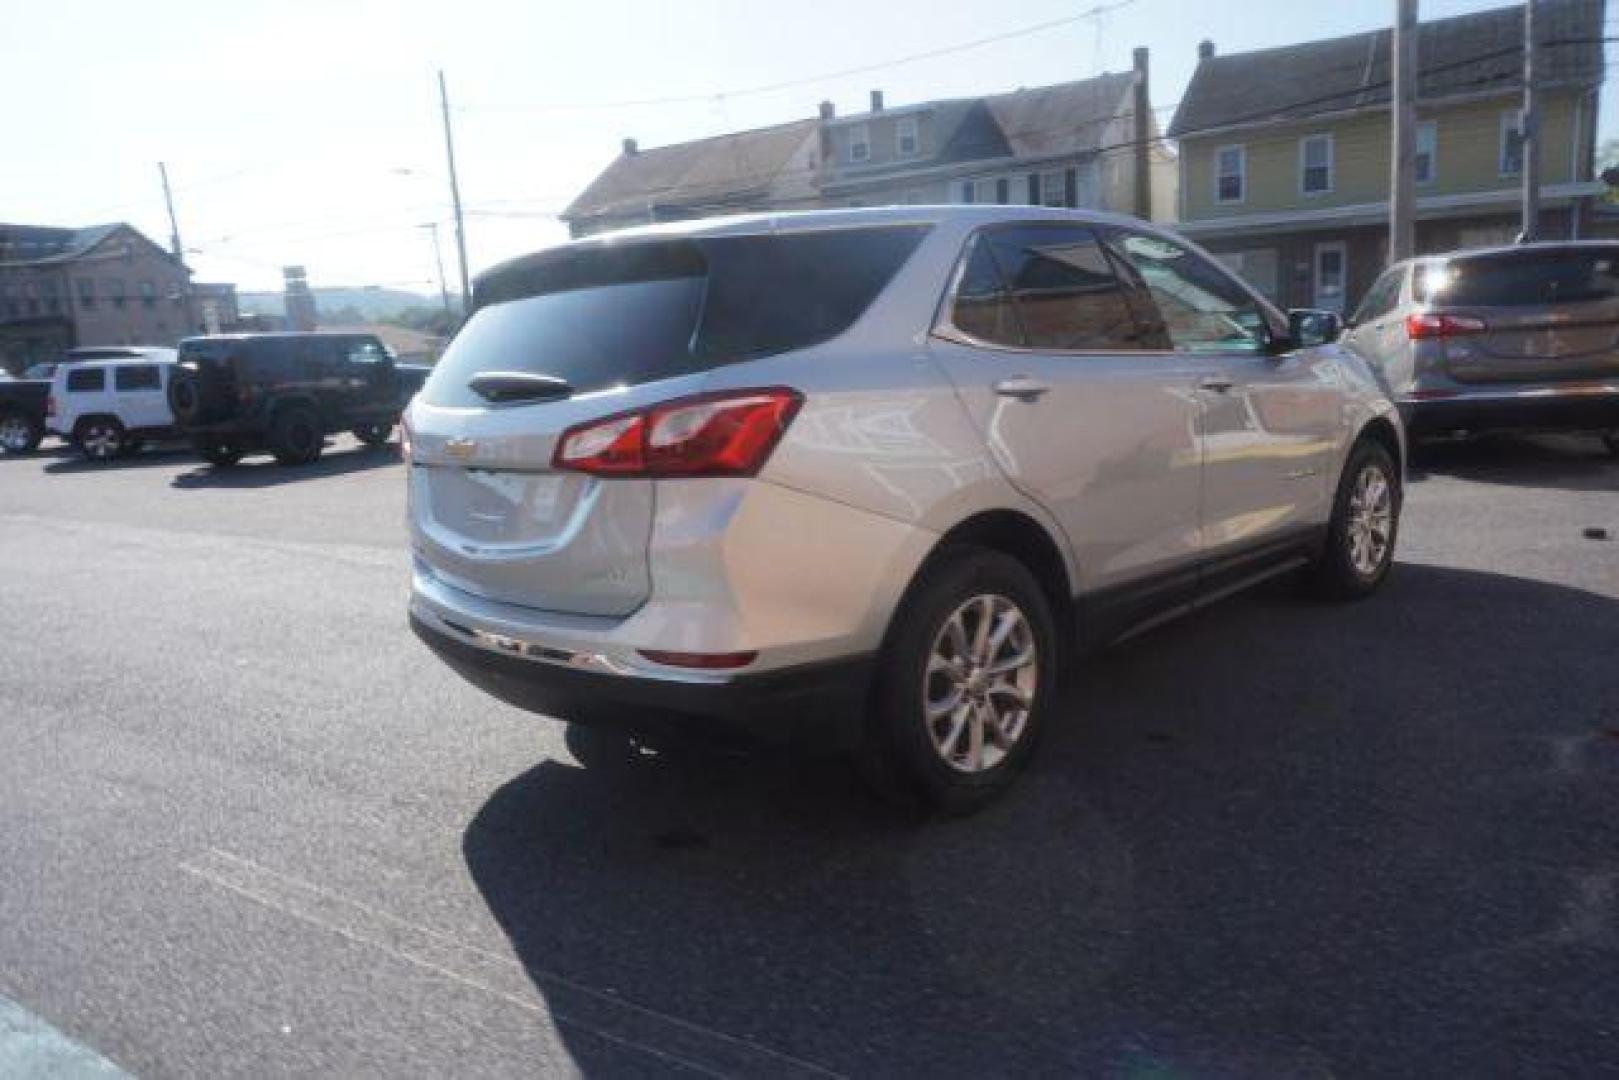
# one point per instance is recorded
(709, 661)
(1422, 326)
(725, 434)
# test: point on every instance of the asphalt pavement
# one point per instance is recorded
(250, 827)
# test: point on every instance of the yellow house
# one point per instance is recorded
(1285, 162)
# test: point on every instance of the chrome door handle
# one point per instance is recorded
(1216, 383)
(1022, 388)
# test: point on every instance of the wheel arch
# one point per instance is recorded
(1381, 430)
(1024, 538)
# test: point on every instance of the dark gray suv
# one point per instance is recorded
(1517, 338)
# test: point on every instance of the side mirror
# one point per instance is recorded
(1311, 326)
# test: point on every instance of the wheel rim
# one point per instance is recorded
(980, 683)
(1371, 520)
(14, 433)
(100, 440)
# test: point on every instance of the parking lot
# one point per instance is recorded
(248, 825)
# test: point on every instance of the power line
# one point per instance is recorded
(808, 80)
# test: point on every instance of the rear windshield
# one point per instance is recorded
(618, 315)
(1521, 279)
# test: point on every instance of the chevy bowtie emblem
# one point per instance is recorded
(460, 449)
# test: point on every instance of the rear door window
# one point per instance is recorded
(86, 380)
(982, 308)
(1064, 289)
(135, 377)
(1525, 279)
(606, 315)
(1381, 298)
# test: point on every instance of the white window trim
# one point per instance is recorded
(1433, 150)
(906, 125)
(1343, 273)
(1509, 123)
(1242, 174)
(1332, 179)
(860, 135)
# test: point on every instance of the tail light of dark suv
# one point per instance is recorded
(725, 434)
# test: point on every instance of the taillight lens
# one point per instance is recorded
(726, 434)
(1420, 326)
(705, 661)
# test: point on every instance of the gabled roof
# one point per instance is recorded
(45, 244)
(723, 167)
(1068, 118)
(1468, 54)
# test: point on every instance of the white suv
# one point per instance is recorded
(864, 478)
(110, 407)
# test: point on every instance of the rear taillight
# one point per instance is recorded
(1418, 327)
(50, 404)
(725, 434)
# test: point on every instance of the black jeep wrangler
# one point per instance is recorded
(235, 394)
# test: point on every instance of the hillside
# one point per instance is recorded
(372, 303)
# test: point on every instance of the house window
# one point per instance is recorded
(1230, 174)
(148, 294)
(859, 143)
(1053, 188)
(1511, 144)
(1427, 151)
(1315, 164)
(984, 191)
(87, 293)
(966, 191)
(114, 288)
(906, 143)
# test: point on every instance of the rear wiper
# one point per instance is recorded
(502, 387)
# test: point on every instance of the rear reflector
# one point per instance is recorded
(708, 661)
(1418, 327)
(725, 434)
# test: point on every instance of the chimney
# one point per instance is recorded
(876, 101)
(1205, 49)
(827, 110)
(1141, 106)
(630, 148)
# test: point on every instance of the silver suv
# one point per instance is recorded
(1523, 338)
(865, 478)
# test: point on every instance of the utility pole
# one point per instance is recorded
(1529, 132)
(443, 289)
(455, 195)
(1403, 152)
(177, 248)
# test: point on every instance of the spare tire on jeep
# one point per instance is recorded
(198, 395)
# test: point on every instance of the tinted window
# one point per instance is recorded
(366, 351)
(136, 377)
(86, 380)
(609, 314)
(983, 305)
(1065, 291)
(1202, 307)
(1525, 279)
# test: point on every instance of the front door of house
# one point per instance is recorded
(1331, 276)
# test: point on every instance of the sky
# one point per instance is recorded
(309, 133)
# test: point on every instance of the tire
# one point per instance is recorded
(1611, 441)
(99, 438)
(956, 762)
(1346, 568)
(221, 455)
(19, 432)
(296, 436)
(373, 434)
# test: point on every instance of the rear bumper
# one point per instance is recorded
(1534, 409)
(819, 705)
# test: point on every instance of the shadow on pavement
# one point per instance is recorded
(66, 459)
(263, 471)
(1278, 838)
(1574, 462)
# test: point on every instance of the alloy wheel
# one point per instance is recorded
(15, 434)
(980, 682)
(1371, 520)
(101, 441)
